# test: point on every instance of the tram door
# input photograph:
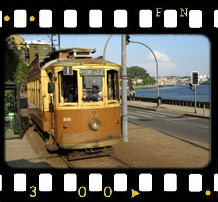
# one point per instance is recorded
(67, 91)
(51, 91)
(69, 85)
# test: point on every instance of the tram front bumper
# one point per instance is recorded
(90, 140)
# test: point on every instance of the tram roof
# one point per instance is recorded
(87, 61)
(75, 49)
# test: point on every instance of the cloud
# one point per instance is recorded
(165, 65)
(161, 57)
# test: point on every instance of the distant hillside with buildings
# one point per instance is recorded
(28, 50)
(180, 80)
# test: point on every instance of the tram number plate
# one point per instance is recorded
(68, 70)
(93, 72)
(67, 119)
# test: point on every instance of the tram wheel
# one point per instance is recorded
(94, 150)
(30, 122)
(51, 145)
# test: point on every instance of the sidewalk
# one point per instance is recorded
(148, 148)
(30, 152)
(174, 109)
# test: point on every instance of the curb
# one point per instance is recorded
(200, 116)
(142, 107)
(183, 113)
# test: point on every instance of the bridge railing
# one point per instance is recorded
(188, 103)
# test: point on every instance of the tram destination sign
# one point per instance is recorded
(92, 72)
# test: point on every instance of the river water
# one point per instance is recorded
(179, 92)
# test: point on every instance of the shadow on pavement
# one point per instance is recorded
(22, 163)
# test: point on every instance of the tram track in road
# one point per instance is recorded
(68, 163)
(128, 165)
(109, 161)
(60, 159)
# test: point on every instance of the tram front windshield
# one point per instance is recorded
(92, 89)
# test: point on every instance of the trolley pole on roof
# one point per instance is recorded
(124, 92)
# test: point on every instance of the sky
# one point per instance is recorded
(177, 55)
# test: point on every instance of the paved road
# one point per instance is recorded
(180, 126)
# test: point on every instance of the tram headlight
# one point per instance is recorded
(94, 124)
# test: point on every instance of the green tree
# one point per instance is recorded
(149, 81)
(21, 73)
(136, 72)
(10, 64)
(15, 67)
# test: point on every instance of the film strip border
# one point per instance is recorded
(195, 18)
(120, 183)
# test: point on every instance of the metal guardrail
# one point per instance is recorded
(188, 103)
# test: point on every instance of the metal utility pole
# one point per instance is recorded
(194, 88)
(195, 99)
(158, 94)
(195, 82)
(124, 92)
(52, 42)
(59, 42)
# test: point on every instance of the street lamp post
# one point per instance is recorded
(124, 92)
(158, 95)
(124, 85)
(106, 46)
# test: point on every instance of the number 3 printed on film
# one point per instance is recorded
(33, 191)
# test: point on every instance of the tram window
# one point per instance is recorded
(92, 89)
(112, 84)
(68, 88)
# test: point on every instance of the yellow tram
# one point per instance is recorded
(75, 99)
